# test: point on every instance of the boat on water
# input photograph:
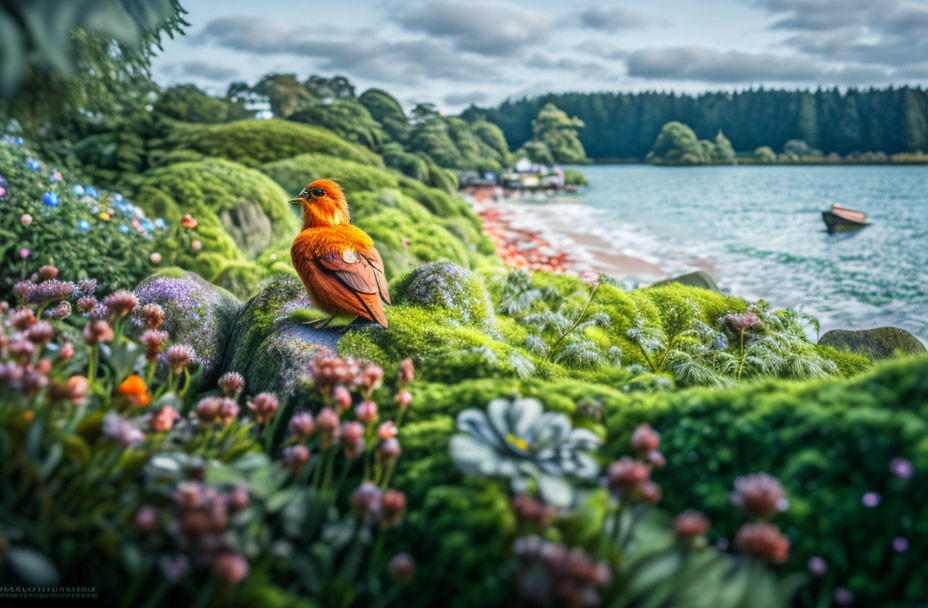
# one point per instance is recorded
(842, 219)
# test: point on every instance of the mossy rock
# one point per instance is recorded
(256, 142)
(197, 313)
(294, 173)
(698, 278)
(267, 347)
(877, 343)
(448, 286)
(238, 209)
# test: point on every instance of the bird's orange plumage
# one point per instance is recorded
(341, 269)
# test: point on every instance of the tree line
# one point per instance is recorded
(626, 125)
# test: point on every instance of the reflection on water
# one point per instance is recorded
(760, 230)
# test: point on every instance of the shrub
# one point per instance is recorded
(114, 472)
(85, 235)
(255, 142)
(240, 211)
(294, 173)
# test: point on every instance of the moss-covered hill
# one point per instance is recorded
(235, 178)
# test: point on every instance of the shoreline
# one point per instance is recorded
(541, 243)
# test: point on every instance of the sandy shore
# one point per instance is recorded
(538, 236)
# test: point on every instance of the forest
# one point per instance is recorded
(625, 125)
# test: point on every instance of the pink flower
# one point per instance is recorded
(763, 541)
(302, 425)
(342, 397)
(196, 244)
(387, 430)
(163, 421)
(24, 253)
(690, 524)
(645, 440)
(230, 568)
(264, 406)
(26, 219)
(366, 411)
(155, 258)
(296, 456)
(402, 568)
(403, 399)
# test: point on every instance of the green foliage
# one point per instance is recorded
(240, 211)
(255, 142)
(37, 41)
(116, 474)
(387, 111)
(830, 442)
(557, 132)
(294, 173)
(188, 103)
(54, 234)
(572, 177)
(347, 118)
(625, 125)
(765, 154)
(677, 145)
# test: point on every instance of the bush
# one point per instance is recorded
(831, 442)
(294, 173)
(116, 249)
(255, 142)
(240, 211)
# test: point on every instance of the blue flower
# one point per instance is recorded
(123, 228)
(77, 189)
(51, 199)
(84, 225)
(3, 182)
(91, 191)
(117, 197)
(34, 164)
(19, 141)
(160, 223)
(148, 226)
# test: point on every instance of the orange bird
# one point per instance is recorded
(341, 269)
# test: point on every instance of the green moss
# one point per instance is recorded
(294, 173)
(423, 241)
(449, 287)
(256, 142)
(235, 222)
(849, 364)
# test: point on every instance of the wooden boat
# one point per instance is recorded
(841, 219)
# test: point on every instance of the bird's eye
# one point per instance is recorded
(317, 192)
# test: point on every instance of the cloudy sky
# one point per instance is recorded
(455, 52)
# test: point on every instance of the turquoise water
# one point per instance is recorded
(759, 230)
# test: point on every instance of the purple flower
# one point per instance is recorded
(900, 544)
(870, 499)
(51, 290)
(174, 567)
(122, 430)
(818, 566)
(844, 596)
(901, 468)
(87, 287)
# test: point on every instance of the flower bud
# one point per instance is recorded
(389, 451)
(627, 473)
(120, 303)
(152, 315)
(78, 387)
(230, 569)
(342, 398)
(403, 399)
(86, 304)
(264, 406)
(302, 426)
(208, 409)
(48, 272)
(759, 494)
(366, 411)
(402, 568)
(690, 524)
(146, 520)
(179, 357)
(365, 500)
(239, 497)
(231, 384)
(163, 421)
(763, 541)
(392, 506)
(296, 456)
(98, 331)
(22, 318)
(387, 430)
(645, 440)
(407, 371)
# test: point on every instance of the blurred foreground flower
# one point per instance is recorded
(519, 441)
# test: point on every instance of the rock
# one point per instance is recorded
(698, 278)
(268, 348)
(877, 343)
(450, 287)
(196, 313)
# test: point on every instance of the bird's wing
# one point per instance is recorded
(350, 282)
(372, 256)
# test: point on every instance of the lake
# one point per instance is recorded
(760, 231)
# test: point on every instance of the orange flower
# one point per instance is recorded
(188, 222)
(135, 390)
(28, 416)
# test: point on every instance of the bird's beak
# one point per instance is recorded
(293, 201)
